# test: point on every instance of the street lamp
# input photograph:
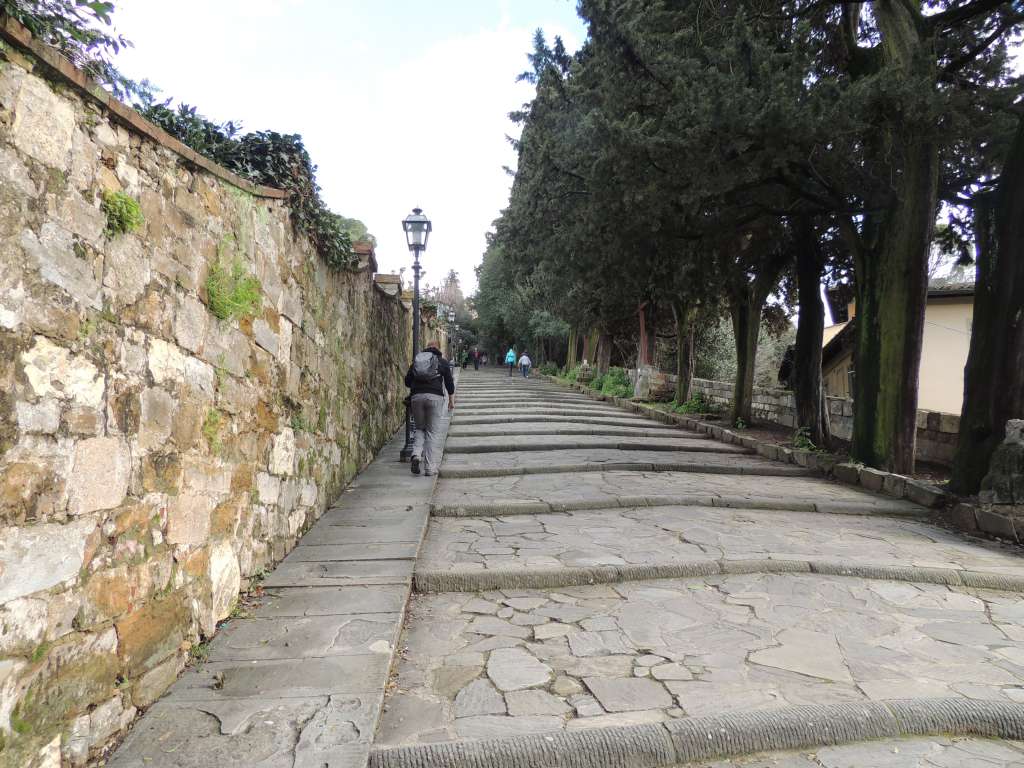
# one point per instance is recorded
(417, 230)
(451, 334)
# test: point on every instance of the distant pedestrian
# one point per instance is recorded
(524, 364)
(483, 359)
(465, 359)
(476, 359)
(510, 360)
(428, 378)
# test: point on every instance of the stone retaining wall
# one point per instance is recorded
(153, 459)
(936, 432)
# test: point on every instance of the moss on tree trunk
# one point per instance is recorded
(994, 374)
(745, 310)
(892, 264)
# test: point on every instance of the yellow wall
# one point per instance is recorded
(947, 338)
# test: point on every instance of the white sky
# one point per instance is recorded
(400, 103)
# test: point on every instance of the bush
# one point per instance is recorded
(598, 382)
(616, 383)
(572, 374)
(232, 293)
(698, 403)
(548, 369)
(122, 212)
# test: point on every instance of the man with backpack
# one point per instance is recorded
(428, 378)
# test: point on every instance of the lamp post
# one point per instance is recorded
(417, 230)
(451, 334)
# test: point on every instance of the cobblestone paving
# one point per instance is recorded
(606, 659)
(516, 661)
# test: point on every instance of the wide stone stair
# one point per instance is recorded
(599, 589)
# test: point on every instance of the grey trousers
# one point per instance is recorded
(428, 411)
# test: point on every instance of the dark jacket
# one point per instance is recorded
(436, 387)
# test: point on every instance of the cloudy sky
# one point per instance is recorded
(400, 103)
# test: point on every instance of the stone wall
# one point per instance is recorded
(936, 432)
(153, 459)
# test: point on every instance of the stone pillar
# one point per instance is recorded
(1004, 483)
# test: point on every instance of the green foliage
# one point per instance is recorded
(740, 423)
(698, 403)
(802, 441)
(232, 292)
(211, 430)
(548, 369)
(268, 158)
(123, 213)
(616, 383)
(199, 653)
(572, 374)
(76, 28)
(299, 423)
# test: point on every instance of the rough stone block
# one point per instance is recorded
(41, 556)
(847, 473)
(894, 485)
(43, 123)
(993, 522)
(924, 494)
(99, 475)
(963, 517)
(151, 634)
(872, 479)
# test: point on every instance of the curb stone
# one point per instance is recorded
(429, 581)
(716, 737)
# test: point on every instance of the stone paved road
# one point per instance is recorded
(804, 614)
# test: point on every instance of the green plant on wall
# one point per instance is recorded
(122, 212)
(232, 292)
(211, 430)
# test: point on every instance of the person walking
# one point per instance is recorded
(524, 364)
(510, 360)
(428, 378)
(476, 359)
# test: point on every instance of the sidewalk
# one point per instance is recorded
(300, 683)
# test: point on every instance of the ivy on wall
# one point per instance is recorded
(78, 29)
(268, 158)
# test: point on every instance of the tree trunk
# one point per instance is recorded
(570, 355)
(994, 374)
(892, 272)
(645, 351)
(684, 313)
(604, 353)
(807, 386)
(745, 309)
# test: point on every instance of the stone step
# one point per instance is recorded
(570, 428)
(505, 443)
(624, 419)
(610, 459)
(894, 507)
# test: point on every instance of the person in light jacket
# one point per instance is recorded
(510, 360)
(524, 364)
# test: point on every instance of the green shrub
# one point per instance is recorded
(211, 430)
(598, 382)
(616, 383)
(232, 293)
(122, 212)
(549, 369)
(698, 403)
(572, 374)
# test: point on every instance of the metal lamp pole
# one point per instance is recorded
(417, 229)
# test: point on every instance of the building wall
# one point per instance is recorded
(947, 340)
(153, 459)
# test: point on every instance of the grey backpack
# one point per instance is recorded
(425, 368)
